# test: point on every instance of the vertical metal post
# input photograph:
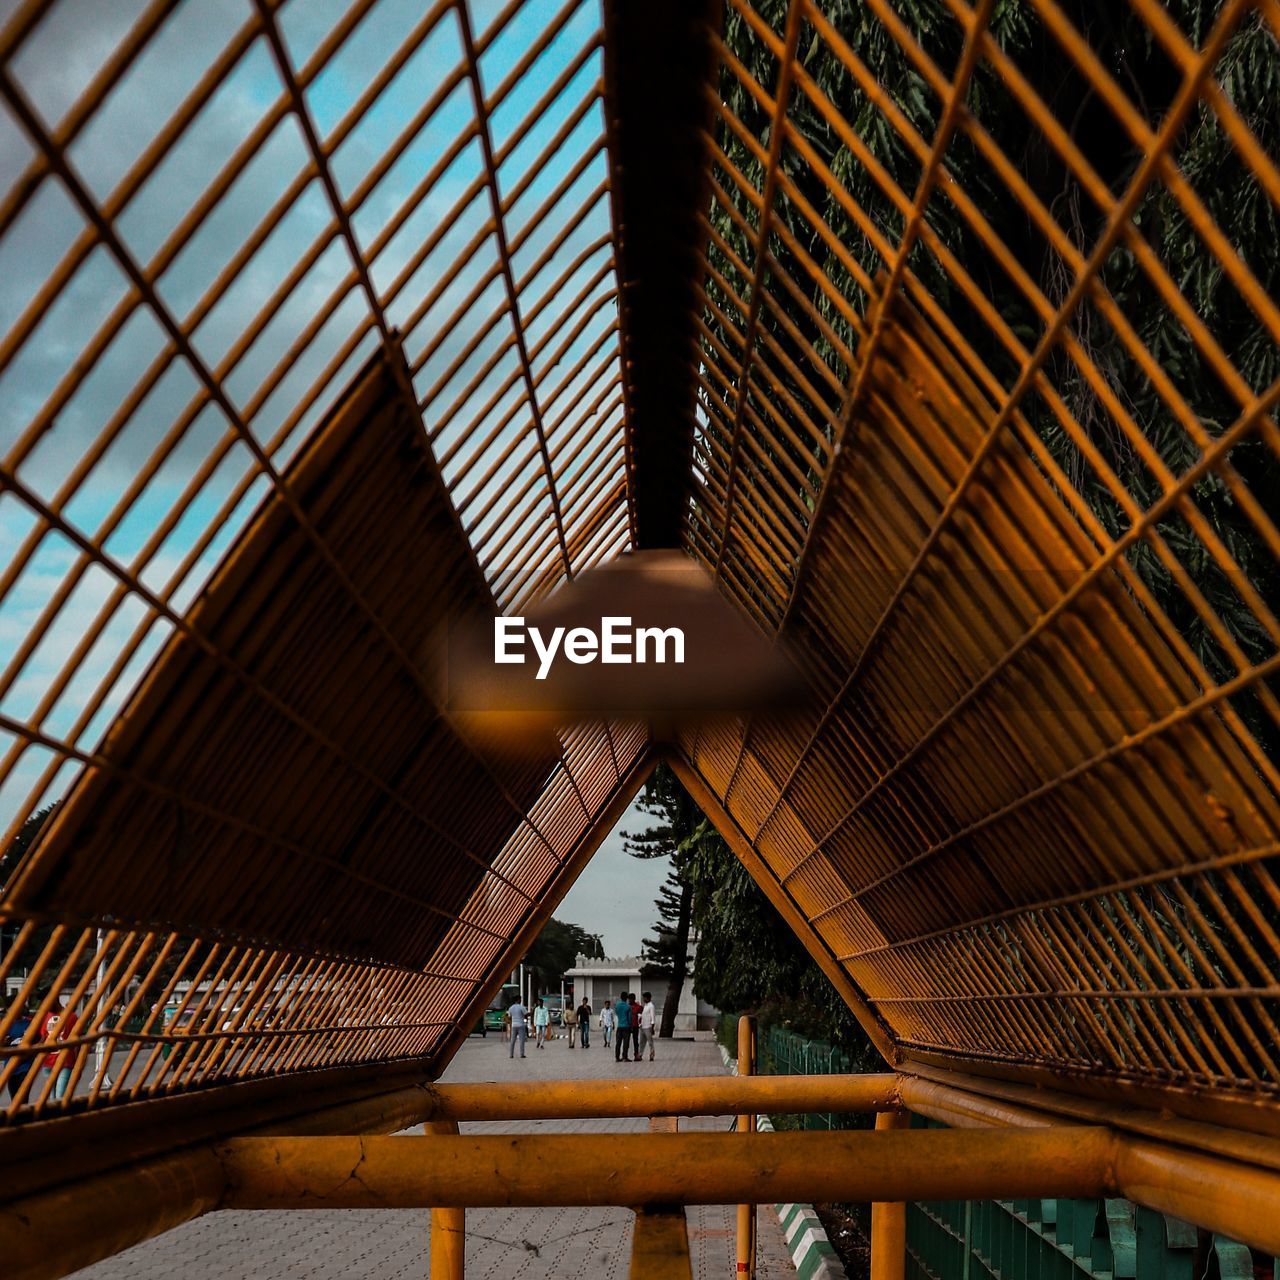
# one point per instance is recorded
(747, 1125)
(100, 1045)
(448, 1226)
(889, 1221)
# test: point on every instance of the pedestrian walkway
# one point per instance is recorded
(387, 1244)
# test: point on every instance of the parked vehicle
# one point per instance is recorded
(494, 1016)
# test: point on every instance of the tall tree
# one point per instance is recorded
(9, 860)
(671, 836)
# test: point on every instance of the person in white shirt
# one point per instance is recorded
(519, 1028)
(606, 1022)
(648, 1024)
(541, 1020)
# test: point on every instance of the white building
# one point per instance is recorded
(607, 979)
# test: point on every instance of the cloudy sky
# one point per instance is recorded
(614, 896)
(73, 356)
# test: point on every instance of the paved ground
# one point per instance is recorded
(350, 1244)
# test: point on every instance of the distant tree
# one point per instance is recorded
(674, 903)
(20, 843)
(678, 817)
(9, 860)
(557, 948)
(9, 929)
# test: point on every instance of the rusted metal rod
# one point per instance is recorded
(747, 1125)
(1231, 1197)
(448, 1226)
(674, 1096)
(660, 1246)
(889, 1220)
(683, 1168)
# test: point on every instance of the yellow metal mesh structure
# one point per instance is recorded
(321, 316)
(229, 214)
(1035, 817)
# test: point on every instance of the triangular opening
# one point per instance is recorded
(752, 944)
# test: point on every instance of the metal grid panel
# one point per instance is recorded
(215, 215)
(1036, 815)
(320, 870)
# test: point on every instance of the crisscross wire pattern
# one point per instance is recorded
(967, 438)
(216, 217)
(986, 357)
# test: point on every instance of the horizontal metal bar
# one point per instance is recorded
(680, 1168)
(1227, 1196)
(692, 1096)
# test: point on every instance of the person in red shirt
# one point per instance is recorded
(57, 1025)
(635, 1025)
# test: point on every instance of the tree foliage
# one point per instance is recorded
(21, 842)
(748, 959)
(556, 949)
(667, 954)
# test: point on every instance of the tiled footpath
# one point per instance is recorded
(386, 1244)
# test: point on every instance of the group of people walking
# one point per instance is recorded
(626, 1023)
(631, 1025)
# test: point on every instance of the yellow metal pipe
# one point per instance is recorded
(56, 1230)
(746, 1124)
(1255, 1141)
(685, 1168)
(889, 1220)
(62, 1230)
(675, 1096)
(660, 1245)
(448, 1226)
(1233, 1198)
(964, 1110)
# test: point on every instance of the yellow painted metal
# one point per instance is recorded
(100, 1208)
(784, 903)
(684, 1096)
(448, 1226)
(539, 912)
(660, 1246)
(1232, 1200)
(1043, 1105)
(48, 1235)
(1232, 1197)
(692, 1168)
(889, 1220)
(746, 1124)
(1030, 827)
(448, 1244)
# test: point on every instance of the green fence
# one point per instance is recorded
(1066, 1240)
(1032, 1239)
(787, 1054)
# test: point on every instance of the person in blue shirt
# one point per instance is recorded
(622, 1036)
(14, 1036)
(541, 1020)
